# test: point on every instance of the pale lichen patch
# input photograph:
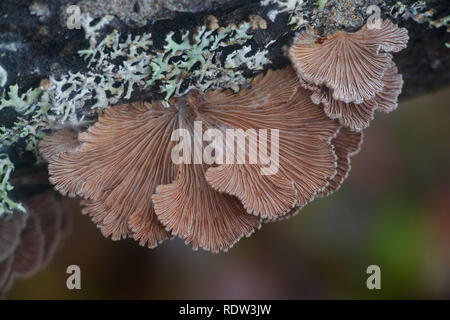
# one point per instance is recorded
(7, 205)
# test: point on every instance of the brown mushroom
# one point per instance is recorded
(191, 209)
(30, 250)
(5, 274)
(352, 65)
(393, 83)
(10, 229)
(347, 143)
(120, 161)
(306, 158)
(124, 161)
(62, 141)
(359, 116)
(351, 74)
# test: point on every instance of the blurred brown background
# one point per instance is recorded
(393, 211)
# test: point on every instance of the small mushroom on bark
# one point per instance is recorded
(359, 116)
(351, 74)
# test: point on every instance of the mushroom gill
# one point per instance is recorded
(191, 209)
(122, 166)
(351, 74)
(62, 141)
(306, 158)
(358, 116)
(116, 168)
(347, 143)
(119, 163)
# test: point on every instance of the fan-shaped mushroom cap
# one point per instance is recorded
(387, 99)
(306, 158)
(10, 237)
(192, 210)
(122, 166)
(120, 161)
(59, 142)
(359, 116)
(351, 65)
(346, 144)
(388, 37)
(124, 157)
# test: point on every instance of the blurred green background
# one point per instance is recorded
(393, 211)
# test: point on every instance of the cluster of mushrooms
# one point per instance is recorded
(121, 166)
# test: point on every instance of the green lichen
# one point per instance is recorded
(30, 132)
(321, 5)
(7, 205)
(20, 103)
(28, 109)
(27, 128)
(193, 61)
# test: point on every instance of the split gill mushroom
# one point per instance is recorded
(351, 74)
(121, 167)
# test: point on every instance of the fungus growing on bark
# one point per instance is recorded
(117, 167)
(123, 165)
(118, 164)
(61, 141)
(351, 74)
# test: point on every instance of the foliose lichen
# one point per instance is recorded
(20, 103)
(7, 205)
(195, 61)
